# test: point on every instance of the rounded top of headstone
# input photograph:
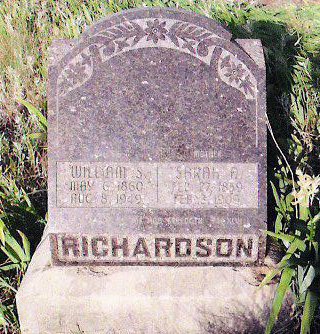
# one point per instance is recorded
(160, 13)
(175, 29)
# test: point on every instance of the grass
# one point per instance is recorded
(291, 40)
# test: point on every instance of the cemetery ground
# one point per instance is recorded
(291, 39)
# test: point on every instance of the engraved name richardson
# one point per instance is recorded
(157, 249)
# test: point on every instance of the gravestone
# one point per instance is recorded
(157, 178)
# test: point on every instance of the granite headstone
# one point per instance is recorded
(157, 147)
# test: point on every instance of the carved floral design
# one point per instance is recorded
(156, 30)
(75, 73)
(116, 38)
(236, 74)
(181, 35)
(135, 34)
(193, 38)
(234, 71)
(145, 33)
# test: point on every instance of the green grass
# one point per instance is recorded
(291, 40)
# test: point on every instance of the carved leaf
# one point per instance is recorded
(173, 39)
(118, 36)
(99, 39)
(181, 26)
(123, 28)
(115, 32)
(204, 35)
(247, 86)
(225, 62)
(190, 30)
(202, 49)
(121, 44)
(109, 49)
(189, 45)
(175, 26)
(86, 60)
(138, 33)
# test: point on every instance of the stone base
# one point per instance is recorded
(127, 300)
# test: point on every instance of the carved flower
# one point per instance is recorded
(156, 30)
(235, 72)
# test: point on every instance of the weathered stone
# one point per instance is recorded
(157, 157)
